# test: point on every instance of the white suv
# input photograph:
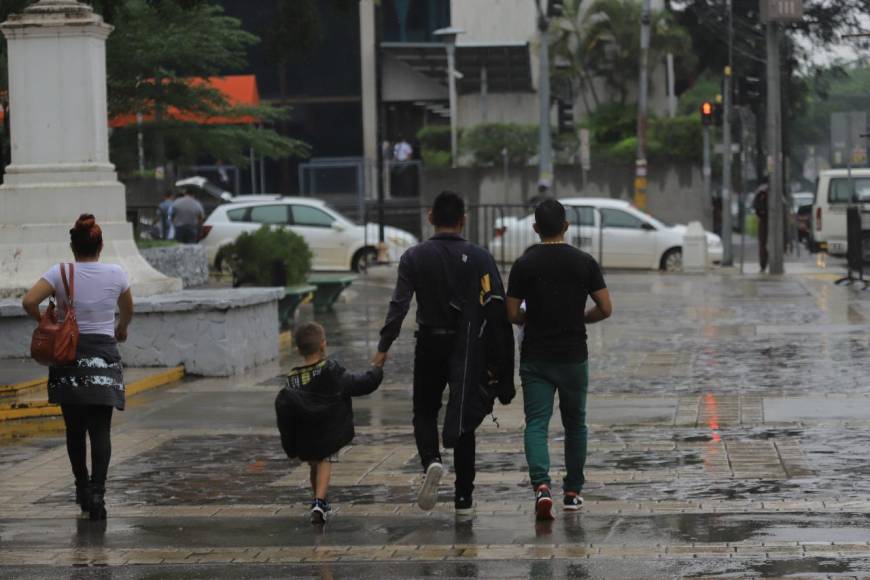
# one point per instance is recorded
(336, 243)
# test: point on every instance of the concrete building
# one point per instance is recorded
(393, 80)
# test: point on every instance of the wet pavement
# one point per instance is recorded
(729, 418)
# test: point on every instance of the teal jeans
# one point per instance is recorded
(541, 381)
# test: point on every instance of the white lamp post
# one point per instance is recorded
(448, 35)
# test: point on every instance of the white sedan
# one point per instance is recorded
(336, 243)
(629, 237)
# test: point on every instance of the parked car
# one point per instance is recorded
(208, 194)
(835, 192)
(802, 209)
(337, 243)
(629, 237)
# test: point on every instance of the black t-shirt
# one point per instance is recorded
(555, 281)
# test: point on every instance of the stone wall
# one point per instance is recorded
(186, 261)
(675, 192)
(210, 332)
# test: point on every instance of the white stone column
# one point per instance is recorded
(60, 149)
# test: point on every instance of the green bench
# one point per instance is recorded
(294, 296)
(329, 288)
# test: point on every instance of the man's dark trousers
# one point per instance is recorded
(762, 242)
(431, 371)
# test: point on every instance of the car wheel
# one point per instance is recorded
(363, 259)
(672, 261)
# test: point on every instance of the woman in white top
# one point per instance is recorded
(90, 388)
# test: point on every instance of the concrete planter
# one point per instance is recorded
(211, 332)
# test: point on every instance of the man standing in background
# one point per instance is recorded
(187, 217)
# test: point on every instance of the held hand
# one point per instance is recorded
(379, 359)
(121, 334)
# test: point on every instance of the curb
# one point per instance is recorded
(13, 411)
(23, 386)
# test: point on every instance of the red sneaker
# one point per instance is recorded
(543, 503)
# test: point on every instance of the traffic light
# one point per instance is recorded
(566, 116)
(706, 113)
(750, 90)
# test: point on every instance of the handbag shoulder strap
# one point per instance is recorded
(69, 286)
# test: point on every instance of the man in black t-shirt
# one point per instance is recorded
(554, 280)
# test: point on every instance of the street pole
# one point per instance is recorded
(727, 164)
(640, 176)
(449, 36)
(774, 150)
(707, 169)
(545, 154)
(454, 121)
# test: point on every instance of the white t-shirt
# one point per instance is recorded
(97, 288)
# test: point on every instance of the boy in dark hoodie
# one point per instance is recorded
(315, 414)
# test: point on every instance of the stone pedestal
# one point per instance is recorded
(60, 153)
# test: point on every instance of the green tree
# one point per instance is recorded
(157, 47)
(602, 40)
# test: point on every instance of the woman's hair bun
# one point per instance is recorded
(86, 221)
(86, 236)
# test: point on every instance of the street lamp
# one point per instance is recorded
(448, 36)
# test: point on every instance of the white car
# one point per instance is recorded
(336, 243)
(630, 238)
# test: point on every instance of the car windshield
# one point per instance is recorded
(656, 221)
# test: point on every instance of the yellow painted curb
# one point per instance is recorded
(23, 386)
(285, 339)
(35, 409)
(158, 379)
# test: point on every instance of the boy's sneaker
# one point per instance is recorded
(543, 503)
(428, 496)
(464, 505)
(320, 509)
(572, 502)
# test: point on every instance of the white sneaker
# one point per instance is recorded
(428, 496)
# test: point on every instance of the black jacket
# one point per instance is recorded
(314, 410)
(482, 361)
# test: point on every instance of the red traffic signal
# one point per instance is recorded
(707, 110)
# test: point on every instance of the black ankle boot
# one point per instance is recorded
(97, 503)
(83, 495)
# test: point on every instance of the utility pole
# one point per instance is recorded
(774, 12)
(707, 170)
(449, 35)
(545, 148)
(640, 175)
(727, 161)
(774, 150)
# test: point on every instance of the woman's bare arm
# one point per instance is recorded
(34, 297)
(125, 305)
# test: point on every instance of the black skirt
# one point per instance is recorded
(95, 378)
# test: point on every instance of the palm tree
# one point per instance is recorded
(603, 41)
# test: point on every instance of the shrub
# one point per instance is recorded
(486, 142)
(436, 159)
(258, 258)
(144, 244)
(435, 137)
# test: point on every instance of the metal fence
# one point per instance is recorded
(505, 230)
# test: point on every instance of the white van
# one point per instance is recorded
(834, 194)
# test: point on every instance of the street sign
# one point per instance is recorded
(781, 10)
(585, 151)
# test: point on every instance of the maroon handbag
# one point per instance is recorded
(53, 343)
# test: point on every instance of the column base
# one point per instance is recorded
(28, 251)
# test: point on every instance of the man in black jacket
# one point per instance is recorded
(464, 340)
